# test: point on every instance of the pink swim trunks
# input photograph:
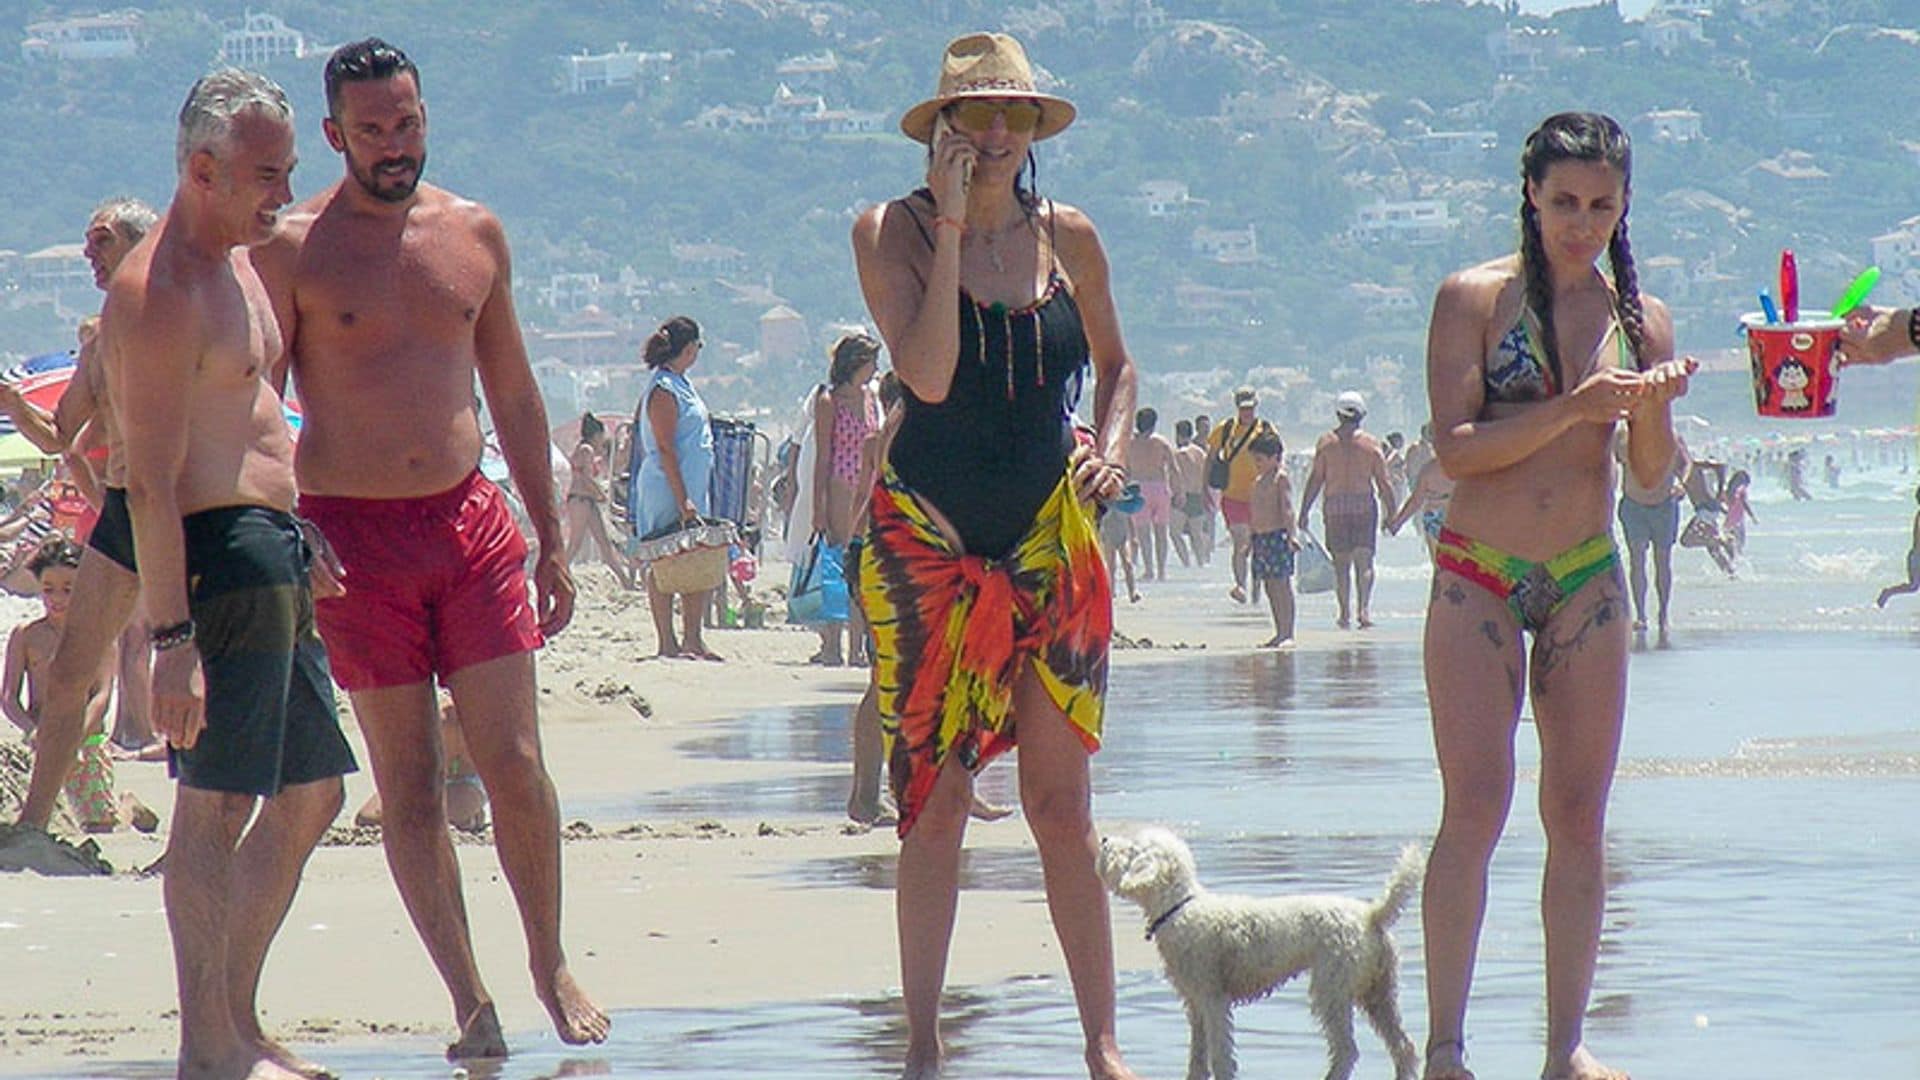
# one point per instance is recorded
(434, 584)
(1159, 502)
(1236, 511)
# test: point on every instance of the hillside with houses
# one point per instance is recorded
(1281, 186)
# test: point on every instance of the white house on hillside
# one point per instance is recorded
(1411, 221)
(1667, 34)
(590, 73)
(1455, 152)
(1516, 49)
(110, 36)
(60, 266)
(1897, 254)
(808, 66)
(261, 37)
(1226, 245)
(1674, 125)
(1165, 198)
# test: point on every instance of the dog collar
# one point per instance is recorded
(1154, 926)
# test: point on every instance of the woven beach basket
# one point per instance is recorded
(692, 560)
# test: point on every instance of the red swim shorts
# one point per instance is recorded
(1236, 511)
(434, 584)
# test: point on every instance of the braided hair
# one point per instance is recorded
(1579, 137)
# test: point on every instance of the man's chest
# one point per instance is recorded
(349, 284)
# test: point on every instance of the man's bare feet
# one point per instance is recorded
(480, 1036)
(1366, 622)
(576, 1019)
(245, 1063)
(1581, 1065)
(1342, 622)
(1238, 594)
(290, 1061)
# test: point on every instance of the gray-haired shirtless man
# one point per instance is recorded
(241, 690)
(106, 588)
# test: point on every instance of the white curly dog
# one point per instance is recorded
(1221, 951)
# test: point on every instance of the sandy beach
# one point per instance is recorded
(688, 912)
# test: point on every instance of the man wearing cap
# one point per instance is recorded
(1350, 466)
(1228, 443)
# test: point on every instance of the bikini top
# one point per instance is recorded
(1517, 371)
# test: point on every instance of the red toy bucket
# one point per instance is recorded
(1793, 372)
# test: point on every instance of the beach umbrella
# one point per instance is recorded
(41, 380)
(17, 452)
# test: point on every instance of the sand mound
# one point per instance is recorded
(16, 771)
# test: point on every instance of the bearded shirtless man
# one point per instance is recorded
(393, 295)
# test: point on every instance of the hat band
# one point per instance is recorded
(1018, 85)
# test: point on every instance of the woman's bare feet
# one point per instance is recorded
(1105, 1063)
(982, 810)
(923, 1063)
(1581, 1065)
(480, 1036)
(880, 811)
(1446, 1060)
(576, 1019)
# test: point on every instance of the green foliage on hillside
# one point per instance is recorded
(611, 180)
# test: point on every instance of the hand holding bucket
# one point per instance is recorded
(1793, 365)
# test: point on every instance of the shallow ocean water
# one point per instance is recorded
(1763, 918)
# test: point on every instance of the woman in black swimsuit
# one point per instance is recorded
(993, 303)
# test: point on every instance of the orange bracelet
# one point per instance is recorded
(942, 219)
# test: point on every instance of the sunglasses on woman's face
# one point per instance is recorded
(1021, 116)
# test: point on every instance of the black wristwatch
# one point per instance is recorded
(164, 638)
(1913, 326)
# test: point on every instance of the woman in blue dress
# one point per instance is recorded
(672, 483)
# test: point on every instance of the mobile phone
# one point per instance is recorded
(942, 125)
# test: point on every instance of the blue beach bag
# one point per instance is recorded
(818, 591)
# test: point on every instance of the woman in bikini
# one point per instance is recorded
(844, 418)
(981, 575)
(587, 499)
(1532, 359)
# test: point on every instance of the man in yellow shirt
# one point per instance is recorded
(1228, 443)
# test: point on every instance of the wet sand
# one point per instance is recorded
(719, 903)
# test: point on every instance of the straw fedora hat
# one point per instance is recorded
(986, 66)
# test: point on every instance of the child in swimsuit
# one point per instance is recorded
(1272, 543)
(89, 787)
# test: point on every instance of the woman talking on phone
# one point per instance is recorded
(981, 574)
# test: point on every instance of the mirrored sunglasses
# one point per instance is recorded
(1021, 116)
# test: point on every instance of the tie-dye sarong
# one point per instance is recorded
(953, 632)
